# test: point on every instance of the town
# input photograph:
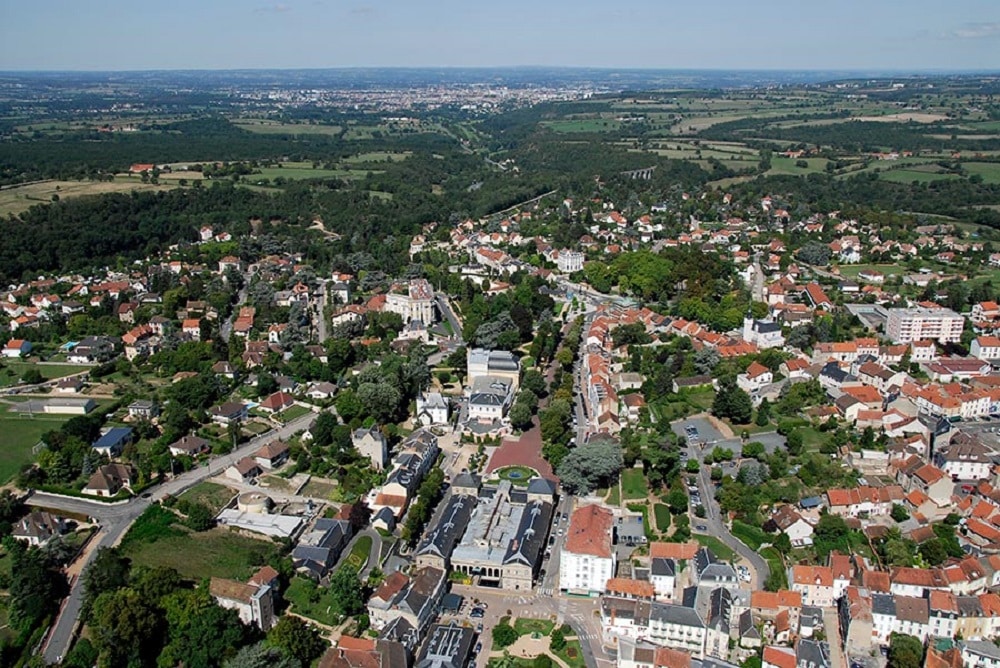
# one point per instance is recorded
(629, 421)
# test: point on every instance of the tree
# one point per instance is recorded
(534, 381)
(558, 641)
(794, 442)
(589, 464)
(504, 635)
(108, 571)
(763, 413)
(732, 402)
(905, 651)
(199, 517)
(933, 552)
(345, 586)
(35, 589)
(126, 629)
(899, 513)
(692, 465)
(200, 633)
(677, 500)
(296, 639)
(753, 449)
(261, 656)
(520, 415)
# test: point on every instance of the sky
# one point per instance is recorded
(906, 35)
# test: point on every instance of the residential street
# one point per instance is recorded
(115, 519)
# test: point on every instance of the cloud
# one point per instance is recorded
(977, 30)
(363, 11)
(276, 8)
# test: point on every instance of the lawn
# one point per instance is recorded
(777, 566)
(662, 514)
(524, 626)
(310, 601)
(517, 475)
(634, 484)
(12, 370)
(20, 435)
(720, 549)
(614, 496)
(812, 439)
(751, 536)
(572, 654)
(990, 171)
(292, 413)
(210, 495)
(319, 489)
(360, 554)
(218, 553)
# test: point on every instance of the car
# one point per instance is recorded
(701, 527)
(552, 540)
(477, 613)
(479, 648)
(560, 532)
(479, 627)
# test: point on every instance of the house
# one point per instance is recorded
(986, 348)
(110, 479)
(277, 402)
(321, 391)
(980, 654)
(416, 600)
(244, 470)
(190, 445)
(432, 409)
(588, 558)
(253, 602)
(447, 646)
(272, 455)
(814, 583)
(965, 458)
(371, 443)
(37, 528)
(224, 369)
(786, 520)
(763, 333)
(756, 376)
(228, 413)
(143, 410)
(16, 348)
(319, 548)
(113, 441)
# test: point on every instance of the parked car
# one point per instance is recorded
(477, 613)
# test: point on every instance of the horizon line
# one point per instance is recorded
(601, 68)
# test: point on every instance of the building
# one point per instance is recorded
(503, 542)
(16, 348)
(244, 470)
(416, 601)
(143, 410)
(980, 654)
(272, 455)
(190, 445)
(414, 301)
(764, 333)
(229, 413)
(493, 363)
(490, 397)
(432, 409)
(319, 548)
(587, 561)
(754, 378)
(569, 261)
(37, 528)
(986, 348)
(371, 443)
(253, 602)
(113, 441)
(913, 324)
(965, 458)
(110, 479)
(447, 646)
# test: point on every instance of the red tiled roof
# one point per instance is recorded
(590, 531)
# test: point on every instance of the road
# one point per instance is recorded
(759, 570)
(320, 316)
(116, 519)
(448, 313)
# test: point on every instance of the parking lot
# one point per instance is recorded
(706, 432)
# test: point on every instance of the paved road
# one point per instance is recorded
(116, 519)
(319, 316)
(759, 570)
(445, 308)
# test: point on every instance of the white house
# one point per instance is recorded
(17, 348)
(986, 348)
(371, 443)
(588, 558)
(432, 409)
(757, 376)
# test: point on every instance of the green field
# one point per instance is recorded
(662, 514)
(852, 270)
(20, 434)
(524, 626)
(721, 550)
(360, 554)
(584, 125)
(377, 156)
(776, 565)
(614, 496)
(634, 484)
(990, 171)
(910, 175)
(311, 601)
(214, 553)
(572, 654)
(210, 495)
(783, 165)
(273, 128)
(751, 536)
(305, 172)
(12, 370)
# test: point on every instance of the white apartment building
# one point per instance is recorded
(588, 558)
(986, 348)
(913, 324)
(569, 261)
(412, 302)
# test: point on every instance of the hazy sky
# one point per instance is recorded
(731, 34)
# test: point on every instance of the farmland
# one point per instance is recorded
(20, 199)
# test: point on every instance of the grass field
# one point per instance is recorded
(267, 127)
(662, 514)
(751, 536)
(210, 495)
(990, 171)
(572, 654)
(633, 484)
(12, 370)
(304, 171)
(584, 125)
(20, 434)
(293, 412)
(614, 496)
(721, 550)
(524, 626)
(360, 554)
(920, 176)
(782, 165)
(852, 270)
(214, 553)
(776, 565)
(377, 156)
(311, 601)
(20, 199)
